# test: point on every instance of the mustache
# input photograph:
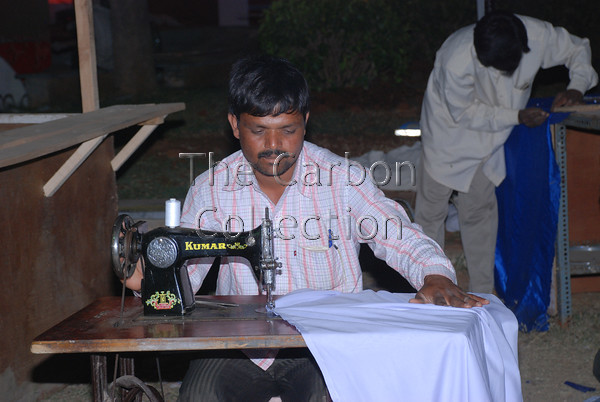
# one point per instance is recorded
(272, 152)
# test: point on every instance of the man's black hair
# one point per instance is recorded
(500, 39)
(266, 85)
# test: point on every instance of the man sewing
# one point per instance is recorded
(322, 208)
(477, 92)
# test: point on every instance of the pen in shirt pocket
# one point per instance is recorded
(331, 240)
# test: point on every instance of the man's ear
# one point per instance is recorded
(306, 122)
(233, 122)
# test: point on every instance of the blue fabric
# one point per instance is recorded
(528, 202)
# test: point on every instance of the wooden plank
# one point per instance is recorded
(36, 118)
(90, 98)
(585, 284)
(86, 48)
(67, 169)
(583, 190)
(26, 143)
(7, 127)
(577, 108)
(95, 123)
(154, 122)
(236, 341)
(131, 146)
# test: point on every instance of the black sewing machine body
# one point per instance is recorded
(166, 288)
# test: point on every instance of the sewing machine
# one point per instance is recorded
(166, 288)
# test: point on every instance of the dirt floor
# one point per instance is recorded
(354, 122)
(548, 360)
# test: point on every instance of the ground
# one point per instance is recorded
(354, 121)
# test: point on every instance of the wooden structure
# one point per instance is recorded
(235, 324)
(576, 146)
(59, 201)
(583, 171)
(209, 327)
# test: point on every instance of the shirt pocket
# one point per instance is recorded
(320, 265)
(523, 86)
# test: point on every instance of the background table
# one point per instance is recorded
(586, 121)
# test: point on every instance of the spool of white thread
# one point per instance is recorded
(172, 213)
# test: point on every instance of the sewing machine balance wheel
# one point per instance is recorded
(125, 246)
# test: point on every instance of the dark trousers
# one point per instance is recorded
(232, 376)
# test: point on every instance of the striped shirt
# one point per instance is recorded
(329, 208)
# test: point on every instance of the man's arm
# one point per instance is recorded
(197, 274)
(415, 256)
(399, 242)
(458, 96)
(134, 282)
(562, 48)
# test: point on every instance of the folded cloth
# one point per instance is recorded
(376, 346)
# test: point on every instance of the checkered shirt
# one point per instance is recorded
(329, 208)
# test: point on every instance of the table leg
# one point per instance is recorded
(127, 367)
(99, 383)
(562, 237)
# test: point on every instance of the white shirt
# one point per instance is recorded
(469, 110)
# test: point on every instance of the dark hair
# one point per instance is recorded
(500, 39)
(265, 85)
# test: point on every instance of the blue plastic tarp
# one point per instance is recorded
(528, 202)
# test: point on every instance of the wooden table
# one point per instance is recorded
(99, 328)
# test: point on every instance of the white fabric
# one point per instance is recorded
(12, 90)
(404, 154)
(375, 346)
(469, 110)
(407, 157)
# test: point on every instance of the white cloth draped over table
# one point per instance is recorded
(376, 346)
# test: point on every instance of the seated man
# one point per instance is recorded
(322, 207)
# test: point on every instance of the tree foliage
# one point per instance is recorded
(338, 43)
(349, 43)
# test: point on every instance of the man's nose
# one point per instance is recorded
(272, 140)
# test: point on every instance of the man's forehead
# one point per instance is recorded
(279, 120)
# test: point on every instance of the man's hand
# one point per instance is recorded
(567, 98)
(134, 282)
(440, 290)
(532, 116)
